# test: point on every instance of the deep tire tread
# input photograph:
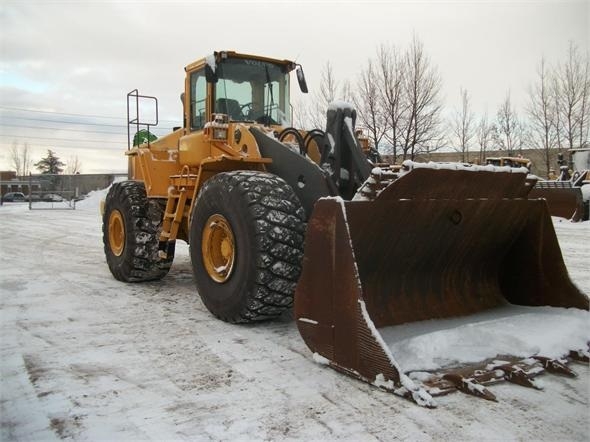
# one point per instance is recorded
(143, 218)
(280, 226)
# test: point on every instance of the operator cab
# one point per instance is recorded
(243, 87)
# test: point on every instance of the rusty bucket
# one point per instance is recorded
(434, 244)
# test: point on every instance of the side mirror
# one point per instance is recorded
(210, 75)
(301, 79)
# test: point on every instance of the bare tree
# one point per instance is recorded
(585, 106)
(392, 96)
(508, 133)
(543, 115)
(463, 126)
(556, 103)
(15, 158)
(397, 97)
(368, 104)
(20, 159)
(484, 137)
(313, 115)
(422, 88)
(322, 99)
(346, 92)
(573, 97)
(301, 113)
(73, 166)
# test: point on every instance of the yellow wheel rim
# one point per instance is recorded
(116, 233)
(218, 248)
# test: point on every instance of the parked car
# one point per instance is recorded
(52, 197)
(13, 197)
(33, 197)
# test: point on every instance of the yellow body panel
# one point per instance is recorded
(154, 167)
(193, 148)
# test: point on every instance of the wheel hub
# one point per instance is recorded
(116, 233)
(218, 248)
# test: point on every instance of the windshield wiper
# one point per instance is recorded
(272, 101)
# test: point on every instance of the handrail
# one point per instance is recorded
(137, 120)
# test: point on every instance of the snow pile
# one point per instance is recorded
(339, 104)
(93, 199)
(509, 330)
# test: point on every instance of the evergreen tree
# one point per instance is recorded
(51, 164)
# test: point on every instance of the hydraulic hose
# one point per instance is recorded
(298, 137)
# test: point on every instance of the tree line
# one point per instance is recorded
(21, 161)
(51, 164)
(397, 95)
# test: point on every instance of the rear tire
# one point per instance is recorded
(246, 245)
(131, 228)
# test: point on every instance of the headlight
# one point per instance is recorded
(218, 127)
(219, 134)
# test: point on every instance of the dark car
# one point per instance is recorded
(13, 197)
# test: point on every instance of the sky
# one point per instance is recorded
(66, 66)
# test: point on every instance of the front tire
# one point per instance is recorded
(131, 228)
(246, 245)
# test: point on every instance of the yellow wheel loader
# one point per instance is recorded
(568, 195)
(564, 195)
(278, 217)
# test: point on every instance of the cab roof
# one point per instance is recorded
(219, 55)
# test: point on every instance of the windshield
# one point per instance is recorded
(252, 90)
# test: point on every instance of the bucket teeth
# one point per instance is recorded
(516, 375)
(517, 371)
(555, 366)
(470, 386)
(580, 355)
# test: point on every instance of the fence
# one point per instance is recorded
(50, 192)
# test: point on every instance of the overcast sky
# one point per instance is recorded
(74, 60)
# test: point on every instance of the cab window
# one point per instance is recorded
(198, 100)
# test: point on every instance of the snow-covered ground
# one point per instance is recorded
(86, 357)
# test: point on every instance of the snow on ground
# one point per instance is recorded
(86, 357)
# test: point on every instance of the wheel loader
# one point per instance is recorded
(564, 195)
(568, 195)
(279, 218)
